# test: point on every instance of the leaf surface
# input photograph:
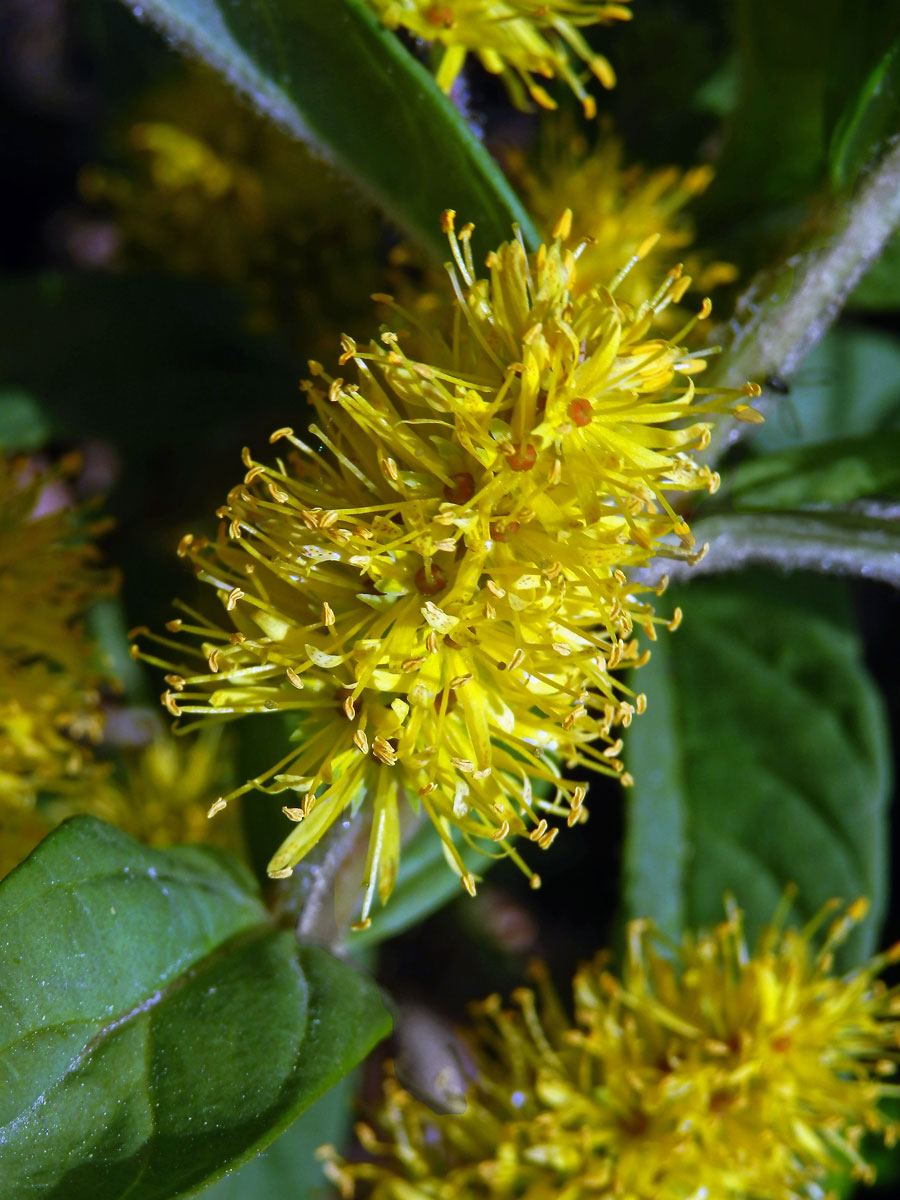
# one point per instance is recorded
(762, 760)
(155, 1026)
(326, 71)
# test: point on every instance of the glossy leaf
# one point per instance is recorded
(879, 289)
(762, 759)
(329, 73)
(156, 1027)
(289, 1166)
(848, 386)
(869, 120)
(830, 473)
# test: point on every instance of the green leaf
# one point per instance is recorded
(762, 759)
(832, 473)
(156, 1026)
(22, 424)
(776, 134)
(870, 119)
(329, 73)
(289, 1167)
(879, 289)
(848, 386)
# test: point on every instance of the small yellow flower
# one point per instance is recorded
(48, 723)
(162, 792)
(49, 703)
(433, 584)
(207, 187)
(616, 208)
(518, 39)
(716, 1073)
(48, 570)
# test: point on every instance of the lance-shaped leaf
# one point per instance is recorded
(155, 1026)
(327, 72)
(835, 472)
(762, 760)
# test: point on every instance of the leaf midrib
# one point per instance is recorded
(151, 1002)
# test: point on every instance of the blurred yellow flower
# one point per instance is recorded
(48, 570)
(704, 1071)
(50, 715)
(616, 207)
(518, 39)
(207, 187)
(161, 792)
(433, 585)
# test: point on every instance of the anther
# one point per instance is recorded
(539, 830)
(169, 701)
(523, 458)
(562, 230)
(233, 596)
(281, 873)
(430, 579)
(217, 807)
(294, 678)
(184, 545)
(361, 742)
(461, 490)
(327, 615)
(293, 814)
(284, 432)
(581, 411)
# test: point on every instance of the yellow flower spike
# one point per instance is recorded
(48, 570)
(49, 703)
(616, 207)
(434, 582)
(716, 1072)
(518, 39)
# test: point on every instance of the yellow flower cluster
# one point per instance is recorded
(160, 792)
(433, 585)
(51, 717)
(707, 1072)
(49, 703)
(518, 39)
(616, 207)
(206, 187)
